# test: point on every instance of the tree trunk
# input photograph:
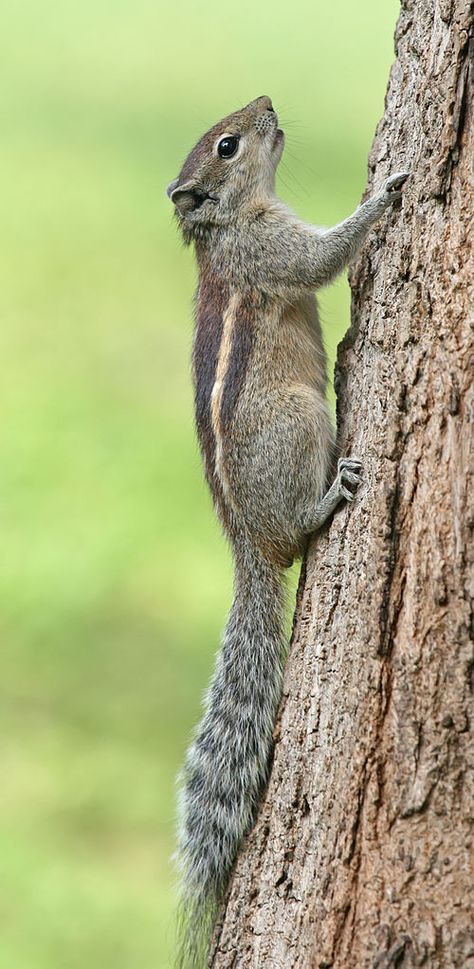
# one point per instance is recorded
(360, 856)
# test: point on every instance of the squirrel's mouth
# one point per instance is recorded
(279, 139)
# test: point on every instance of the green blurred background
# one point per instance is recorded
(114, 579)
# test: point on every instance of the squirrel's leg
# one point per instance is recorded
(348, 473)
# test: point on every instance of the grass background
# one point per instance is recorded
(114, 579)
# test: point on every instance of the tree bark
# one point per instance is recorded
(360, 856)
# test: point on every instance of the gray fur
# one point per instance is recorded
(268, 445)
(227, 765)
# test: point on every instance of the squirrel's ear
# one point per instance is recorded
(186, 197)
(171, 187)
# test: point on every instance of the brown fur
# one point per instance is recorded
(212, 298)
(243, 341)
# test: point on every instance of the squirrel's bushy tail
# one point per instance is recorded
(228, 763)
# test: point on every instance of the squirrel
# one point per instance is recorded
(268, 447)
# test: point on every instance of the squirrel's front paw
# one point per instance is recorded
(392, 189)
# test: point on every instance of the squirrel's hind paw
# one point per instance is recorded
(349, 472)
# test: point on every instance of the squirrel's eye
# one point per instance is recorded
(228, 146)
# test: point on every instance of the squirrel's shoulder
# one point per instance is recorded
(267, 214)
(262, 223)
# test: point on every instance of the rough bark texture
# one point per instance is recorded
(360, 857)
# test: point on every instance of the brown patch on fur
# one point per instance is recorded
(298, 345)
(212, 299)
(280, 557)
(243, 340)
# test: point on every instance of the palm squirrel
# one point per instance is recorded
(267, 442)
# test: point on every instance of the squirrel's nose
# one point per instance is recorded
(264, 103)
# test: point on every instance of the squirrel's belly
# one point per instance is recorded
(277, 463)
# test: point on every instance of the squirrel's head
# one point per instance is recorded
(232, 165)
